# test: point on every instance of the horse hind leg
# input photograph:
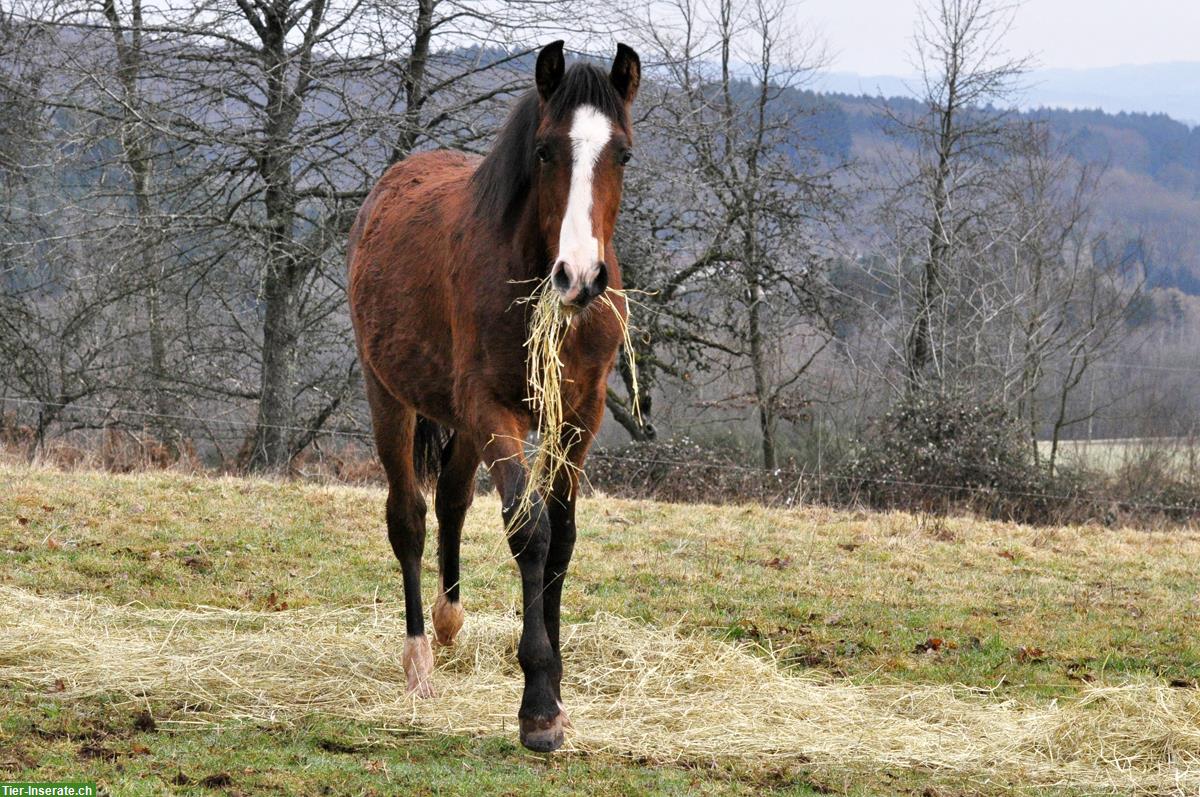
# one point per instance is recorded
(448, 618)
(406, 533)
(394, 428)
(455, 491)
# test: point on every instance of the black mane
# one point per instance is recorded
(504, 177)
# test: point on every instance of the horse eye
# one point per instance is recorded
(626, 156)
(543, 153)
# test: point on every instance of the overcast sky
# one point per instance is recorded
(873, 37)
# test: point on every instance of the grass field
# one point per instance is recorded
(1179, 456)
(937, 624)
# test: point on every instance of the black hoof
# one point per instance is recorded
(542, 735)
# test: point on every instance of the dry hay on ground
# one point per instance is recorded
(632, 691)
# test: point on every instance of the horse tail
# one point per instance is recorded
(430, 443)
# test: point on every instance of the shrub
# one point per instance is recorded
(683, 470)
(930, 452)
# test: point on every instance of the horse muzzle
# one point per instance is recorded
(575, 290)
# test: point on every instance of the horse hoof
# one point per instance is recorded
(418, 665)
(447, 620)
(543, 735)
(566, 718)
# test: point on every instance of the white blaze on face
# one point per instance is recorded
(578, 248)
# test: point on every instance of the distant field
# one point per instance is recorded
(1109, 455)
(913, 655)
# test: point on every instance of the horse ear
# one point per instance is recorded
(549, 69)
(626, 72)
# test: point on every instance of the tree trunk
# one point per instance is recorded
(138, 152)
(634, 416)
(919, 349)
(47, 414)
(638, 432)
(920, 342)
(283, 270)
(163, 422)
(270, 450)
(414, 81)
(762, 390)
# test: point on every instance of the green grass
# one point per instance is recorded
(46, 739)
(1031, 613)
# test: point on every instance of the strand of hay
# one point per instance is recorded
(632, 691)
(630, 357)
(549, 323)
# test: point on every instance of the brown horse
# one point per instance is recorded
(442, 253)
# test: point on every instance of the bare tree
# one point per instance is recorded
(1067, 305)
(57, 331)
(247, 134)
(744, 282)
(942, 200)
(137, 140)
(990, 289)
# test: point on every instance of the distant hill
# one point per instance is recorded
(1172, 89)
(1149, 199)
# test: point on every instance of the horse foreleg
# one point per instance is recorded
(527, 525)
(561, 507)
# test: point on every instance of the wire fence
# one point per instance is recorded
(791, 485)
(113, 415)
(807, 482)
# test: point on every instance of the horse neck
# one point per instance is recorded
(528, 247)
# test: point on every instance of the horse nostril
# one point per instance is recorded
(559, 277)
(600, 283)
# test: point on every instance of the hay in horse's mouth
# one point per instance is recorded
(549, 323)
(632, 691)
